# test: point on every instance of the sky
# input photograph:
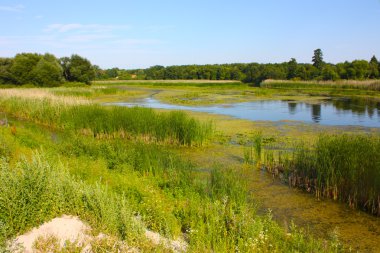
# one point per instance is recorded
(139, 34)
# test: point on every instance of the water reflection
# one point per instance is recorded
(316, 112)
(339, 111)
(358, 106)
(292, 107)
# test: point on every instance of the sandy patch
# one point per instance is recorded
(65, 228)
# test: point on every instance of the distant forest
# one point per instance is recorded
(255, 73)
(47, 70)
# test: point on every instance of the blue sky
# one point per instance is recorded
(139, 34)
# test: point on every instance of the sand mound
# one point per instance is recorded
(72, 229)
(65, 228)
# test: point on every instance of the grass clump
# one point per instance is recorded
(341, 167)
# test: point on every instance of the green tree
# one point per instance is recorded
(318, 59)
(47, 72)
(112, 73)
(292, 68)
(23, 66)
(362, 70)
(6, 76)
(77, 69)
(329, 73)
(374, 68)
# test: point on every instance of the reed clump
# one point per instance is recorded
(341, 167)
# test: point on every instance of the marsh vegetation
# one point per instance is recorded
(124, 170)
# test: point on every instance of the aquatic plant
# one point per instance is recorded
(341, 167)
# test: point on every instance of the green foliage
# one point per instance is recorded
(47, 72)
(77, 69)
(318, 59)
(23, 66)
(36, 69)
(6, 76)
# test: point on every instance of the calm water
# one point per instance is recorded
(327, 112)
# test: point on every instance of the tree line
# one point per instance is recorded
(254, 72)
(45, 70)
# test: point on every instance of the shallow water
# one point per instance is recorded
(355, 229)
(343, 111)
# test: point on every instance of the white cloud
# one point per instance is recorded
(13, 8)
(95, 28)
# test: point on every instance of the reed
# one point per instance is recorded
(253, 153)
(341, 84)
(341, 167)
(105, 122)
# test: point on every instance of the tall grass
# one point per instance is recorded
(36, 191)
(109, 122)
(341, 167)
(343, 84)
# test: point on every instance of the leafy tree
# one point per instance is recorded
(155, 73)
(100, 74)
(47, 72)
(292, 68)
(112, 73)
(77, 69)
(23, 66)
(329, 73)
(6, 76)
(318, 59)
(65, 64)
(374, 68)
(362, 70)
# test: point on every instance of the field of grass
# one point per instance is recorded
(120, 170)
(373, 85)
